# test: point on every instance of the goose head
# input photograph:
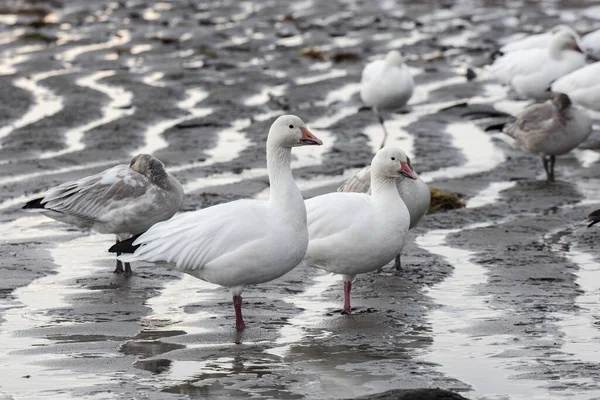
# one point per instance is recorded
(148, 165)
(392, 162)
(290, 131)
(563, 39)
(394, 58)
(561, 101)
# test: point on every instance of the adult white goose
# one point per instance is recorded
(386, 84)
(531, 72)
(124, 200)
(243, 242)
(414, 193)
(536, 41)
(550, 129)
(355, 233)
(591, 44)
(582, 86)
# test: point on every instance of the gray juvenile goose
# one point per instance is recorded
(125, 200)
(550, 129)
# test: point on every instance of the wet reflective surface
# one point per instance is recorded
(497, 300)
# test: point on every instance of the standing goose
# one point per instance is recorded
(551, 129)
(386, 84)
(244, 242)
(582, 86)
(531, 72)
(414, 193)
(355, 233)
(124, 200)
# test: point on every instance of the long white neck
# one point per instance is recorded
(384, 189)
(284, 191)
(555, 50)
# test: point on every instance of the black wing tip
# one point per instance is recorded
(125, 246)
(594, 218)
(36, 203)
(496, 127)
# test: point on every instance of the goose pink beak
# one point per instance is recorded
(308, 139)
(406, 171)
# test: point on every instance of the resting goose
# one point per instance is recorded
(531, 72)
(550, 129)
(355, 233)
(124, 200)
(535, 41)
(582, 86)
(414, 193)
(244, 242)
(386, 84)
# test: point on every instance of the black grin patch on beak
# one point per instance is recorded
(406, 175)
(308, 141)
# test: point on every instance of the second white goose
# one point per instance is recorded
(355, 233)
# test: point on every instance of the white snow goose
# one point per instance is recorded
(550, 129)
(244, 242)
(531, 72)
(591, 44)
(386, 85)
(414, 193)
(355, 233)
(124, 200)
(582, 86)
(535, 41)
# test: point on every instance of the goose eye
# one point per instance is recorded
(291, 126)
(393, 158)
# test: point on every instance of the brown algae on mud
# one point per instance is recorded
(442, 200)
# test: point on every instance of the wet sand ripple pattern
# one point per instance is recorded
(495, 300)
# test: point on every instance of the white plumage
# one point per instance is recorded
(354, 233)
(414, 193)
(243, 242)
(531, 72)
(387, 83)
(591, 44)
(582, 86)
(535, 41)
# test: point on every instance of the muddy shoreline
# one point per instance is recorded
(495, 301)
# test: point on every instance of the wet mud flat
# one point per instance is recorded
(498, 300)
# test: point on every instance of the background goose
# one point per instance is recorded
(582, 86)
(125, 200)
(414, 193)
(536, 41)
(591, 44)
(386, 84)
(355, 233)
(551, 129)
(243, 242)
(531, 72)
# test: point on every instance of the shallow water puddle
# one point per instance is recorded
(45, 102)
(115, 109)
(265, 94)
(477, 147)
(30, 227)
(473, 360)
(32, 308)
(582, 334)
(314, 305)
(120, 38)
(153, 139)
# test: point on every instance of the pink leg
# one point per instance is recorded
(347, 287)
(237, 305)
